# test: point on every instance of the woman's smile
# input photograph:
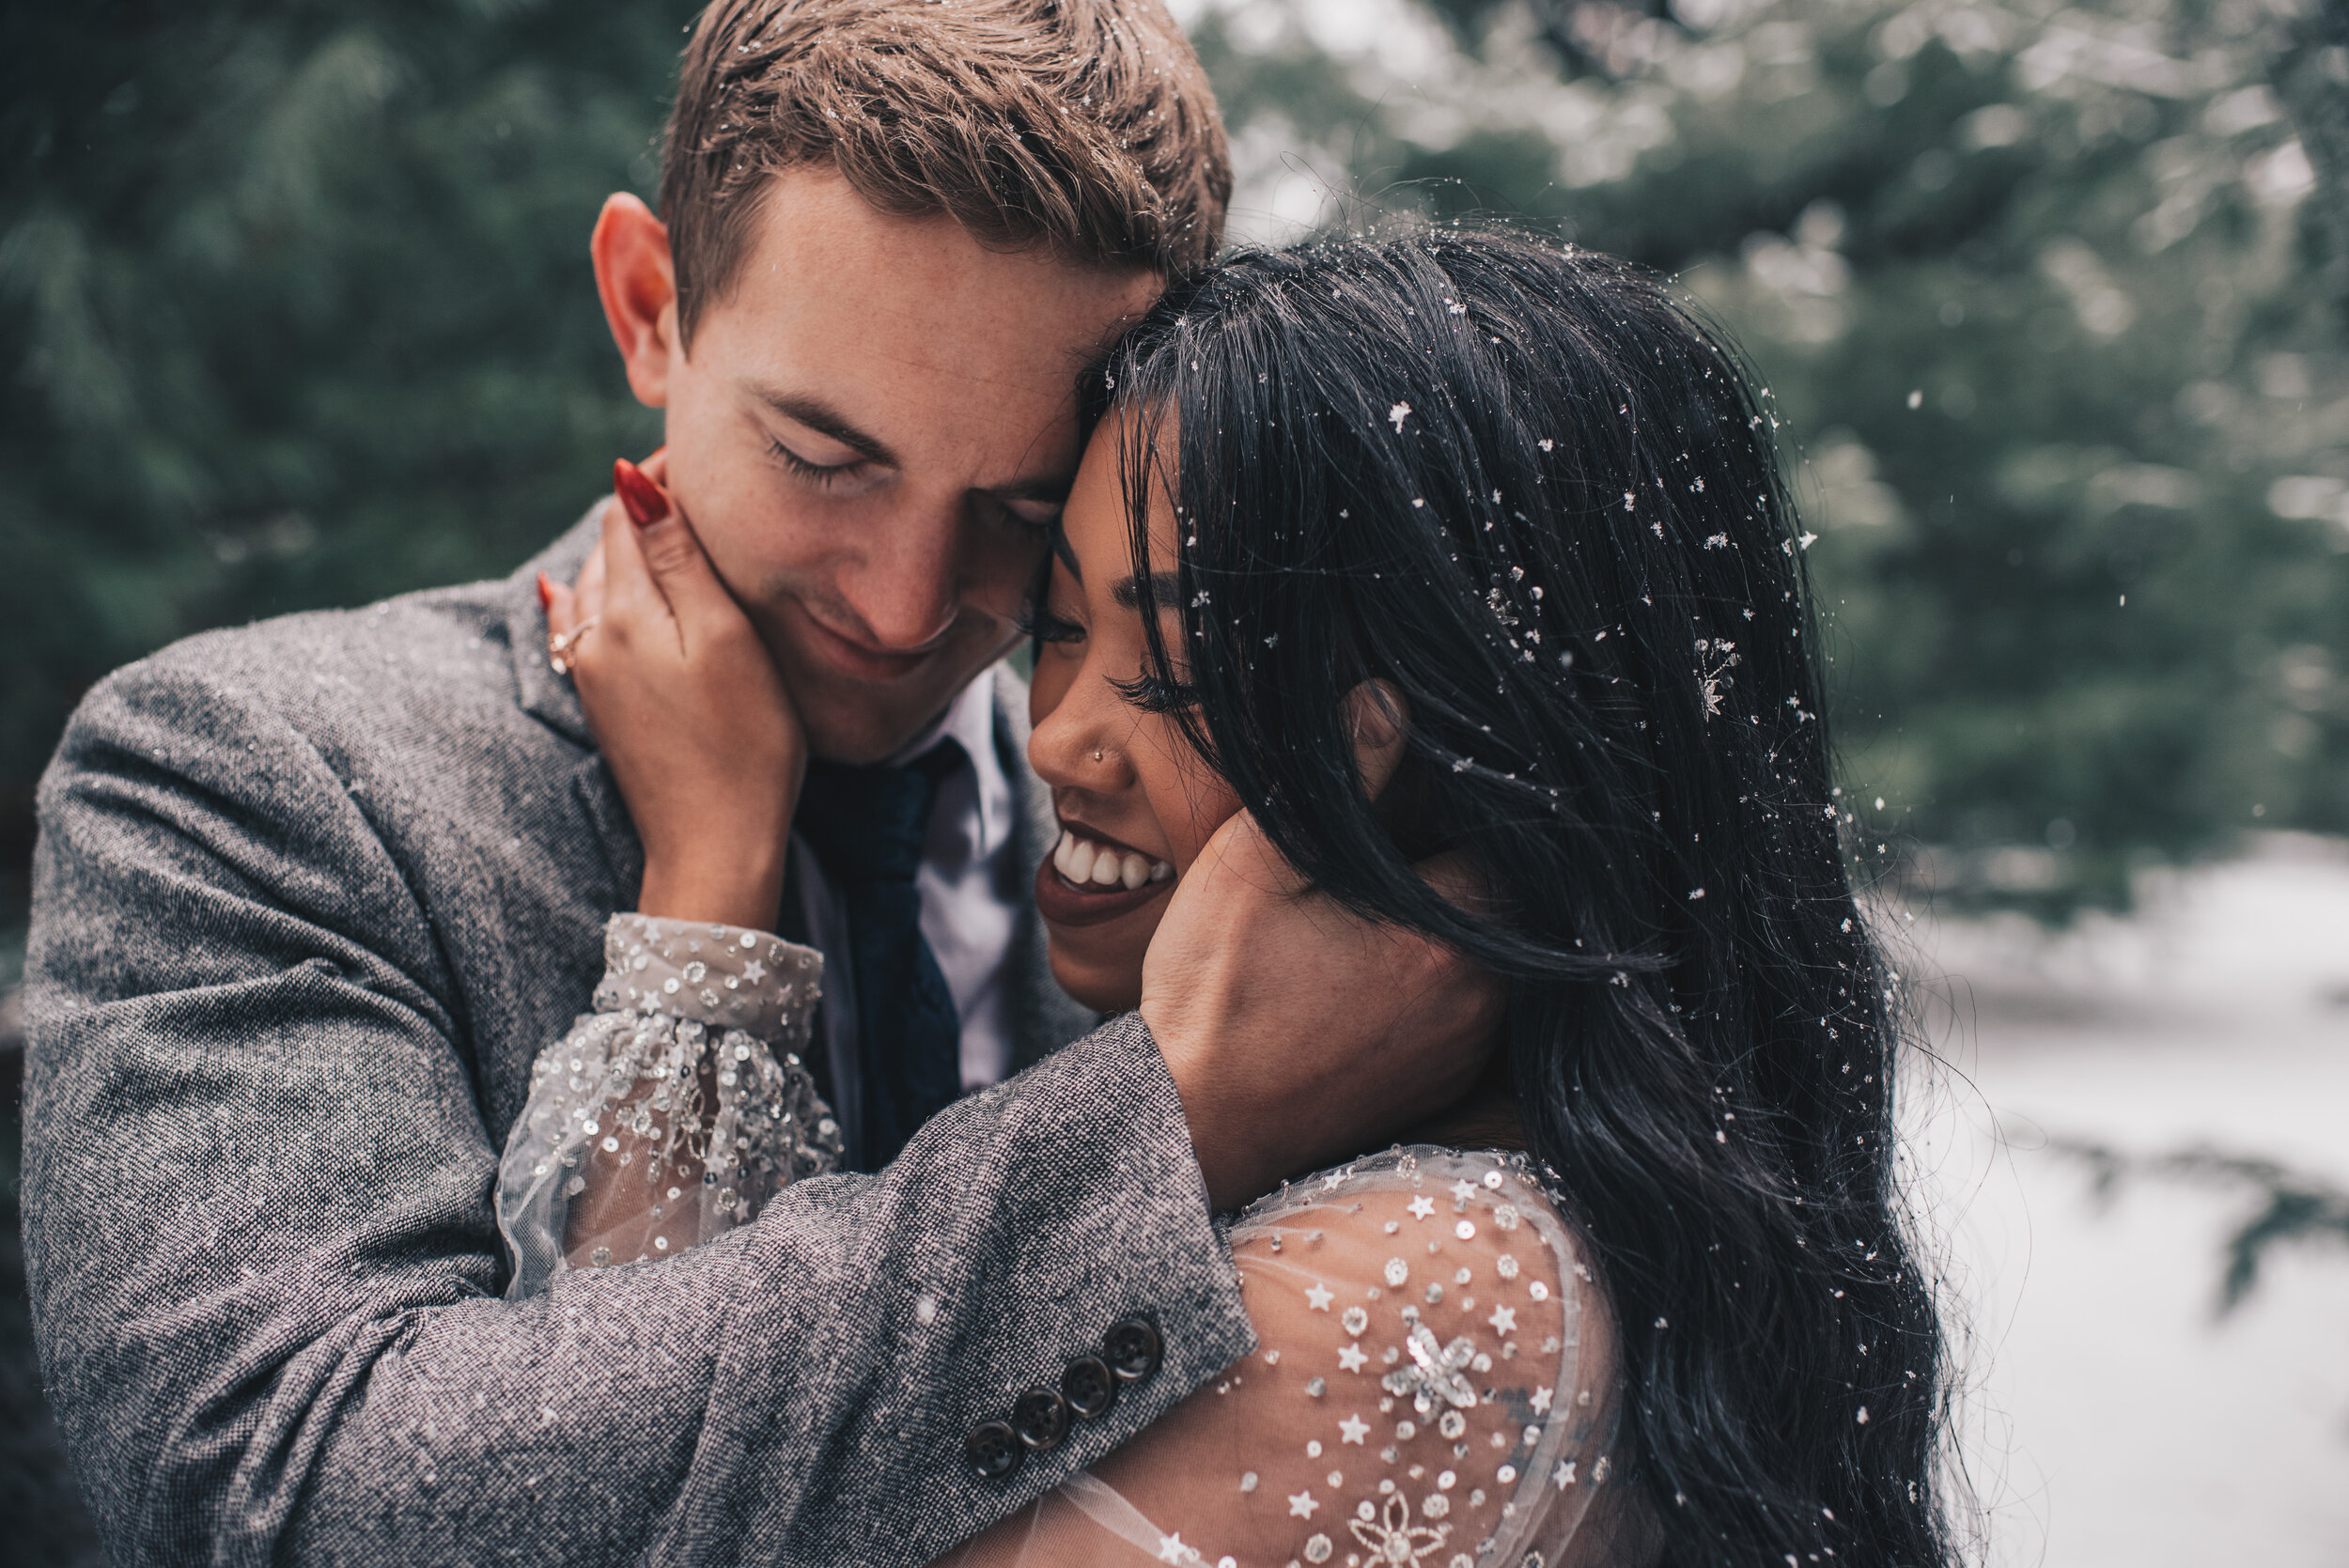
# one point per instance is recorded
(1090, 877)
(1108, 759)
(1093, 860)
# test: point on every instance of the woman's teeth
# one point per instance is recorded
(1082, 861)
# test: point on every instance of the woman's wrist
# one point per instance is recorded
(746, 890)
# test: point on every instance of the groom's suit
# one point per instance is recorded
(309, 897)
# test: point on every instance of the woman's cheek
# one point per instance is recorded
(1190, 800)
(1048, 682)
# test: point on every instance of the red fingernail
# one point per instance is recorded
(546, 593)
(639, 495)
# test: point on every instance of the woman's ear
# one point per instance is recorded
(1381, 720)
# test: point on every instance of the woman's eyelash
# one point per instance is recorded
(815, 473)
(1152, 695)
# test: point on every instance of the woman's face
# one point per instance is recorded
(1134, 802)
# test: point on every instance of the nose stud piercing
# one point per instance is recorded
(1097, 754)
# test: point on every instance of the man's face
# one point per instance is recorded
(873, 433)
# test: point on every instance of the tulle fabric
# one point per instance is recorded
(673, 1112)
(1434, 1386)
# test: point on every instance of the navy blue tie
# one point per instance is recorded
(868, 827)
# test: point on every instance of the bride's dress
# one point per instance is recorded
(682, 1095)
(1432, 1384)
(1434, 1381)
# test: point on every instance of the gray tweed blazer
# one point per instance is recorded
(309, 896)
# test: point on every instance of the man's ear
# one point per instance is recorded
(638, 284)
(1381, 719)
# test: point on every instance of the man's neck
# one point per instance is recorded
(929, 735)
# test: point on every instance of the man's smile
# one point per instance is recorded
(859, 659)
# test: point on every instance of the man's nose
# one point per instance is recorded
(905, 588)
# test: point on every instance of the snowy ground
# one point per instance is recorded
(2113, 1419)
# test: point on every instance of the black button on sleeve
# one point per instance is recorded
(1089, 1386)
(1040, 1417)
(993, 1450)
(1134, 1348)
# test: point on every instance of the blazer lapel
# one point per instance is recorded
(554, 702)
(545, 695)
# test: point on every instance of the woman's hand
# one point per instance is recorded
(1299, 1033)
(686, 708)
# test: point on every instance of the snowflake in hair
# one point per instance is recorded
(1715, 658)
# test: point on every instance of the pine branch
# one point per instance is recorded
(2296, 1206)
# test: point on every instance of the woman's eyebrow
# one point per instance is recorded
(1163, 591)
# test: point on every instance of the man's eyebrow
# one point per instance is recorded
(1164, 588)
(824, 419)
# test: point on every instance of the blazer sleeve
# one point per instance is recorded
(266, 1271)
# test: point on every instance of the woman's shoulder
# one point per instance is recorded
(1424, 1241)
(1466, 1256)
(1432, 1376)
(1500, 1190)
(1424, 1230)
(1434, 1382)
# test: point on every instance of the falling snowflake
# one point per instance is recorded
(1398, 413)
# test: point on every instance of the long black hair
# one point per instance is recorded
(1522, 485)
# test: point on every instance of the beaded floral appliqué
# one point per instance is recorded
(1433, 1374)
(1391, 1537)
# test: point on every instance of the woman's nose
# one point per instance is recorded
(1072, 747)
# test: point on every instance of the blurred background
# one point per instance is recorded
(295, 311)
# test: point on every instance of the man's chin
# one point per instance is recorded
(863, 728)
(861, 745)
(862, 722)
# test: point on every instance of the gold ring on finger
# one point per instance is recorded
(559, 648)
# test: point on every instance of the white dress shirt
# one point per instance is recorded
(970, 903)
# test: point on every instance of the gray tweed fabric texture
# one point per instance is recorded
(309, 897)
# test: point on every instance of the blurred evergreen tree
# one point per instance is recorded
(2044, 326)
(295, 310)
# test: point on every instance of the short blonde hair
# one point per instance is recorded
(1085, 127)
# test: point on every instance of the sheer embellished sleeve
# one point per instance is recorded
(1433, 1385)
(675, 1110)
